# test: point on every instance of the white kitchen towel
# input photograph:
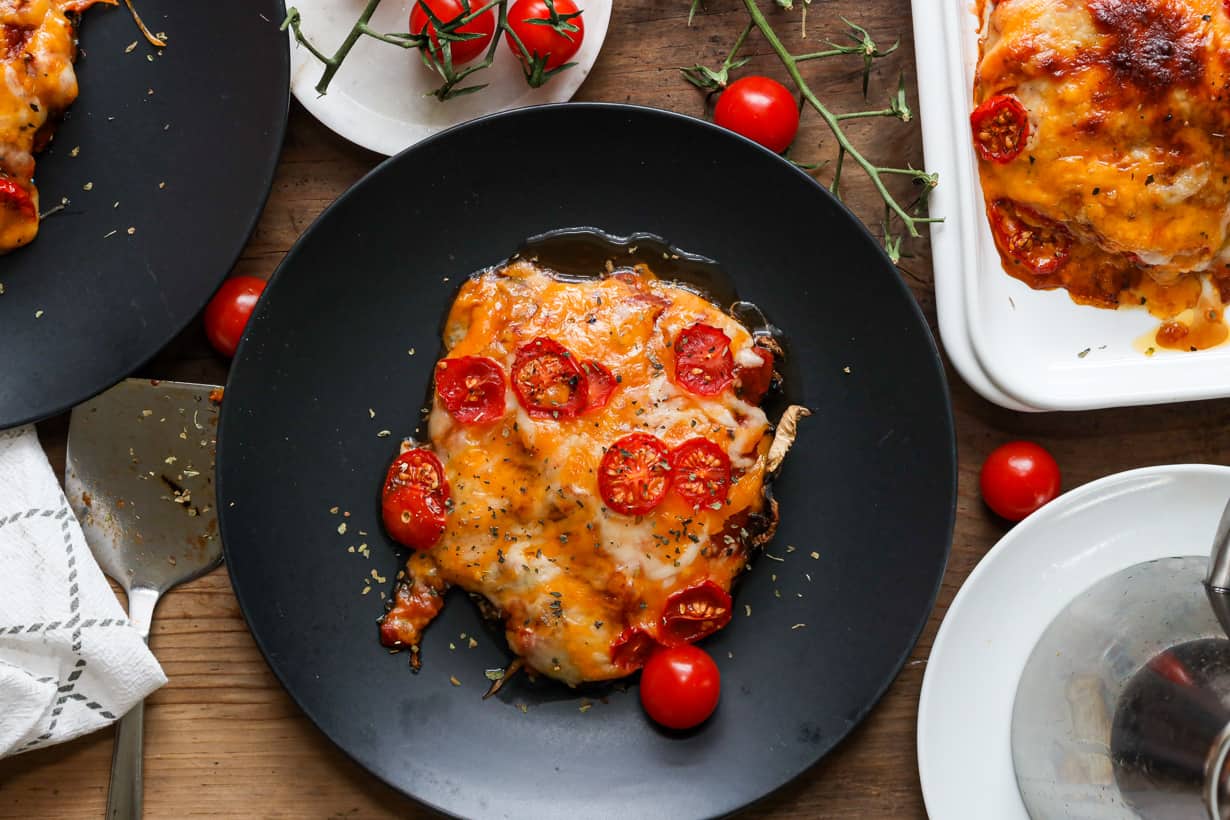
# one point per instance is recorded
(70, 662)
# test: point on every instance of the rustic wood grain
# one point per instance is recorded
(223, 739)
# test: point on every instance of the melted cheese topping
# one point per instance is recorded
(1128, 146)
(39, 45)
(528, 528)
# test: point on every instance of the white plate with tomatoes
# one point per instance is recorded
(381, 96)
(965, 710)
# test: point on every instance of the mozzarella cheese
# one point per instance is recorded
(528, 529)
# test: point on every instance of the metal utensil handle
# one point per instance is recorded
(1219, 559)
(126, 789)
(125, 792)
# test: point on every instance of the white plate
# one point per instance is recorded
(1025, 343)
(378, 97)
(965, 710)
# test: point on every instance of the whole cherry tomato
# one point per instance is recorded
(1018, 478)
(680, 686)
(761, 109)
(228, 312)
(446, 11)
(550, 32)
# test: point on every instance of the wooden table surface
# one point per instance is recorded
(222, 739)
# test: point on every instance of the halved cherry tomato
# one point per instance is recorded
(229, 310)
(449, 11)
(16, 198)
(761, 109)
(700, 473)
(1020, 232)
(548, 380)
(415, 498)
(471, 389)
(694, 613)
(1001, 127)
(601, 385)
(632, 648)
(703, 364)
(634, 474)
(751, 383)
(551, 33)
(680, 686)
(1018, 478)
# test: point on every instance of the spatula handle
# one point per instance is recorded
(126, 790)
(124, 794)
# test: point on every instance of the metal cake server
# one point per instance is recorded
(140, 478)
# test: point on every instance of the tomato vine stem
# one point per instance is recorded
(863, 46)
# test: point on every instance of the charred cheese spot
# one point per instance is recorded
(37, 86)
(529, 530)
(1129, 114)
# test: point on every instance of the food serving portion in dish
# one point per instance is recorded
(1100, 128)
(40, 45)
(596, 470)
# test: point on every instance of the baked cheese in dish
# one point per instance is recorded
(595, 470)
(40, 44)
(1101, 129)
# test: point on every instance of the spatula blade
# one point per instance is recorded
(140, 478)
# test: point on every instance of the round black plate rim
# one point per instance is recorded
(935, 357)
(175, 329)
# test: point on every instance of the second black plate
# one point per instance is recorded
(176, 145)
(349, 328)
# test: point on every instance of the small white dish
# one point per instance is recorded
(965, 709)
(378, 99)
(1037, 349)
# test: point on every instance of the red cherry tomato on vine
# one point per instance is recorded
(1018, 478)
(228, 312)
(446, 11)
(680, 686)
(550, 40)
(761, 109)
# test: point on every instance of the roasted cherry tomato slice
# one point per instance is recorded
(550, 40)
(601, 385)
(703, 364)
(16, 198)
(634, 474)
(751, 383)
(700, 473)
(415, 498)
(229, 310)
(761, 109)
(1021, 233)
(680, 686)
(694, 613)
(449, 11)
(632, 648)
(1000, 127)
(1018, 478)
(548, 380)
(413, 518)
(471, 388)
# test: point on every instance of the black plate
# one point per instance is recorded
(211, 130)
(869, 487)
